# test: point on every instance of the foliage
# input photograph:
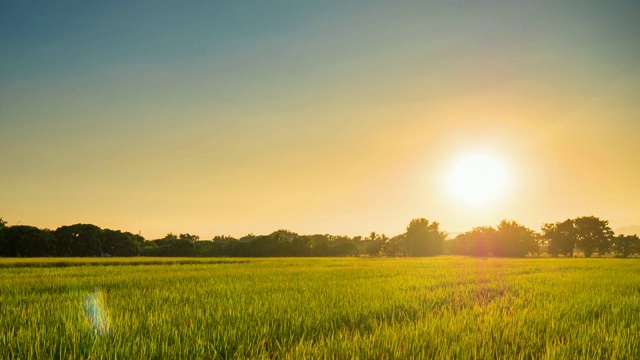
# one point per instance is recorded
(435, 308)
(588, 233)
(560, 238)
(510, 239)
(118, 243)
(79, 240)
(514, 240)
(592, 235)
(626, 245)
(424, 238)
(396, 246)
(477, 242)
(26, 241)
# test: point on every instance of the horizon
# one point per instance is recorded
(233, 119)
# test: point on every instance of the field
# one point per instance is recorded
(445, 307)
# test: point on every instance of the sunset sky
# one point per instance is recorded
(237, 117)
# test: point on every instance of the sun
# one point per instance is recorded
(477, 179)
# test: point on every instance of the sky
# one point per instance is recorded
(238, 117)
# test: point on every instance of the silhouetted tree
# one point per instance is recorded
(319, 245)
(374, 243)
(182, 247)
(560, 238)
(396, 246)
(345, 249)
(150, 248)
(192, 238)
(626, 245)
(118, 243)
(79, 240)
(477, 242)
(208, 248)
(27, 241)
(173, 245)
(424, 238)
(513, 240)
(592, 234)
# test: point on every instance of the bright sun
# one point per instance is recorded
(477, 179)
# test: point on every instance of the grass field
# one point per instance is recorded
(445, 307)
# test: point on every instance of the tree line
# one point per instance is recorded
(588, 235)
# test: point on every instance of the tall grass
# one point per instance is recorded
(447, 307)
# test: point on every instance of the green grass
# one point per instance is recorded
(446, 307)
(108, 261)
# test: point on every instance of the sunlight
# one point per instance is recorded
(477, 179)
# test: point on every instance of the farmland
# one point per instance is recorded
(444, 307)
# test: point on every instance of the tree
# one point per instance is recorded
(626, 245)
(3, 245)
(182, 247)
(513, 240)
(79, 240)
(345, 249)
(189, 237)
(560, 238)
(150, 248)
(592, 235)
(477, 242)
(172, 245)
(394, 246)
(424, 238)
(118, 243)
(26, 241)
(374, 244)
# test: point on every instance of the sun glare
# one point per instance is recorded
(477, 179)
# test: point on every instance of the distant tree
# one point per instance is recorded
(170, 237)
(182, 247)
(374, 243)
(174, 245)
(559, 237)
(513, 240)
(477, 242)
(149, 248)
(423, 238)
(318, 245)
(79, 240)
(27, 241)
(336, 240)
(626, 245)
(298, 246)
(3, 245)
(118, 243)
(396, 246)
(210, 248)
(222, 239)
(247, 238)
(192, 238)
(345, 249)
(592, 235)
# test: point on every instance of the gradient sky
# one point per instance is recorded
(237, 117)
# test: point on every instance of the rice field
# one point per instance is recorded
(346, 308)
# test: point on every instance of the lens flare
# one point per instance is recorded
(96, 312)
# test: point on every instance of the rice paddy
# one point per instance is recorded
(344, 308)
